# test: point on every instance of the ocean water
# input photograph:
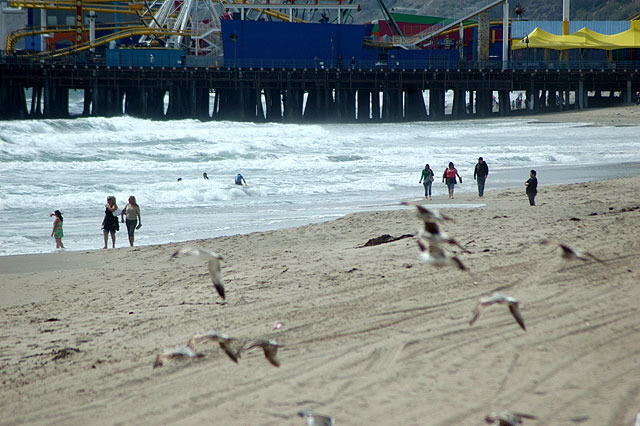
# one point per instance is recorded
(298, 174)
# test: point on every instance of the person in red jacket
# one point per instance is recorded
(450, 174)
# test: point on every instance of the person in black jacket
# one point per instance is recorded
(480, 174)
(532, 187)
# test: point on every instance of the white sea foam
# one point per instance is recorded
(297, 173)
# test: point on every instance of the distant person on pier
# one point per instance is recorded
(204, 176)
(480, 174)
(449, 175)
(240, 180)
(427, 179)
(532, 187)
(134, 221)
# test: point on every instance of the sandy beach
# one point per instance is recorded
(370, 335)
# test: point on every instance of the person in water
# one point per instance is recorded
(204, 176)
(449, 175)
(57, 228)
(240, 180)
(427, 179)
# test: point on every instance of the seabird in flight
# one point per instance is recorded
(500, 299)
(223, 340)
(181, 352)
(571, 254)
(270, 348)
(213, 261)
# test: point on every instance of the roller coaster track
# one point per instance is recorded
(93, 5)
(447, 25)
(100, 41)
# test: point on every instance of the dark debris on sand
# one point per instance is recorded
(63, 353)
(383, 239)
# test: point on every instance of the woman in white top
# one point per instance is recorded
(132, 211)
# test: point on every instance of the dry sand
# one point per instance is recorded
(371, 336)
(612, 116)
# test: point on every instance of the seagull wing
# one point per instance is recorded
(476, 312)
(594, 257)
(216, 275)
(271, 352)
(457, 244)
(226, 347)
(430, 227)
(320, 420)
(458, 263)
(515, 311)
(159, 362)
(526, 416)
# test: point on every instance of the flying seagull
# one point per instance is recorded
(433, 254)
(425, 214)
(314, 419)
(500, 299)
(432, 233)
(569, 253)
(508, 418)
(181, 352)
(213, 261)
(270, 348)
(223, 340)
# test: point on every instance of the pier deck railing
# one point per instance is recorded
(96, 60)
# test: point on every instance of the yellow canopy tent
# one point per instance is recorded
(582, 39)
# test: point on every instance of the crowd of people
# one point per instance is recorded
(130, 214)
(451, 177)
(113, 216)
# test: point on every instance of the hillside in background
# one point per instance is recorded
(538, 10)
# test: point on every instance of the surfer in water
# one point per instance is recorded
(240, 180)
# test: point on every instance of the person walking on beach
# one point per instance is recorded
(57, 228)
(134, 221)
(532, 187)
(480, 174)
(110, 222)
(449, 175)
(427, 179)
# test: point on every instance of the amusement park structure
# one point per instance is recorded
(192, 25)
(304, 60)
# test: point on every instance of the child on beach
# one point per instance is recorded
(57, 228)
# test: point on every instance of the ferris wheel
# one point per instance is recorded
(200, 19)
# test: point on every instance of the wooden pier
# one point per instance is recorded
(303, 95)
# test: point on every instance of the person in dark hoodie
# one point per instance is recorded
(532, 187)
(480, 174)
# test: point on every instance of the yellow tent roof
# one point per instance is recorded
(581, 39)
